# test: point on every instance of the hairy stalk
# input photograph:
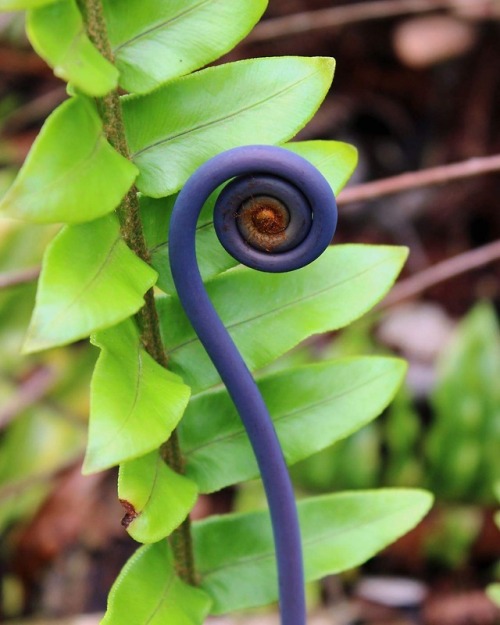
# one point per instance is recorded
(133, 234)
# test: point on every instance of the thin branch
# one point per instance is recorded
(415, 179)
(17, 488)
(20, 276)
(27, 394)
(340, 16)
(441, 272)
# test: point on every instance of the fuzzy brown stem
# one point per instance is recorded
(133, 234)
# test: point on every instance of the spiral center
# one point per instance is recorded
(263, 220)
(268, 215)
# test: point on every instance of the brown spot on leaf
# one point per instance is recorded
(130, 513)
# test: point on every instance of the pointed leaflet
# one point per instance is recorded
(268, 314)
(135, 403)
(57, 33)
(235, 553)
(155, 498)
(71, 174)
(329, 401)
(90, 280)
(254, 101)
(335, 160)
(148, 590)
(184, 34)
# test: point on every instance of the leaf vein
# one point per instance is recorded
(318, 538)
(294, 302)
(168, 585)
(93, 280)
(225, 118)
(242, 433)
(160, 25)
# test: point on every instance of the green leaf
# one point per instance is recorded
(334, 159)
(36, 445)
(212, 257)
(57, 33)
(38, 442)
(268, 314)
(463, 441)
(90, 280)
(329, 401)
(184, 34)
(155, 498)
(19, 5)
(253, 101)
(235, 553)
(148, 591)
(338, 467)
(71, 174)
(135, 402)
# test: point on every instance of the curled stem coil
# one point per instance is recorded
(277, 214)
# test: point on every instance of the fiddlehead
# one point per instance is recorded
(277, 214)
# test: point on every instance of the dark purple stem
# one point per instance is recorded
(253, 162)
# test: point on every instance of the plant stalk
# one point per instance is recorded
(133, 234)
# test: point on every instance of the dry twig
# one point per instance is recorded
(415, 179)
(27, 394)
(449, 268)
(340, 16)
(20, 276)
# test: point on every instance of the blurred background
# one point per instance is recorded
(417, 87)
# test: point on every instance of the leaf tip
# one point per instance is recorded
(33, 343)
(326, 64)
(91, 463)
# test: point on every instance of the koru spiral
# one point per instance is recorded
(277, 213)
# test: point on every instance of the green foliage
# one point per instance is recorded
(45, 437)
(402, 435)
(82, 266)
(127, 385)
(145, 485)
(338, 531)
(338, 467)
(149, 591)
(452, 536)
(92, 284)
(493, 592)
(235, 553)
(66, 175)
(18, 5)
(57, 33)
(467, 403)
(281, 310)
(35, 445)
(184, 34)
(329, 401)
(456, 454)
(334, 159)
(254, 101)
